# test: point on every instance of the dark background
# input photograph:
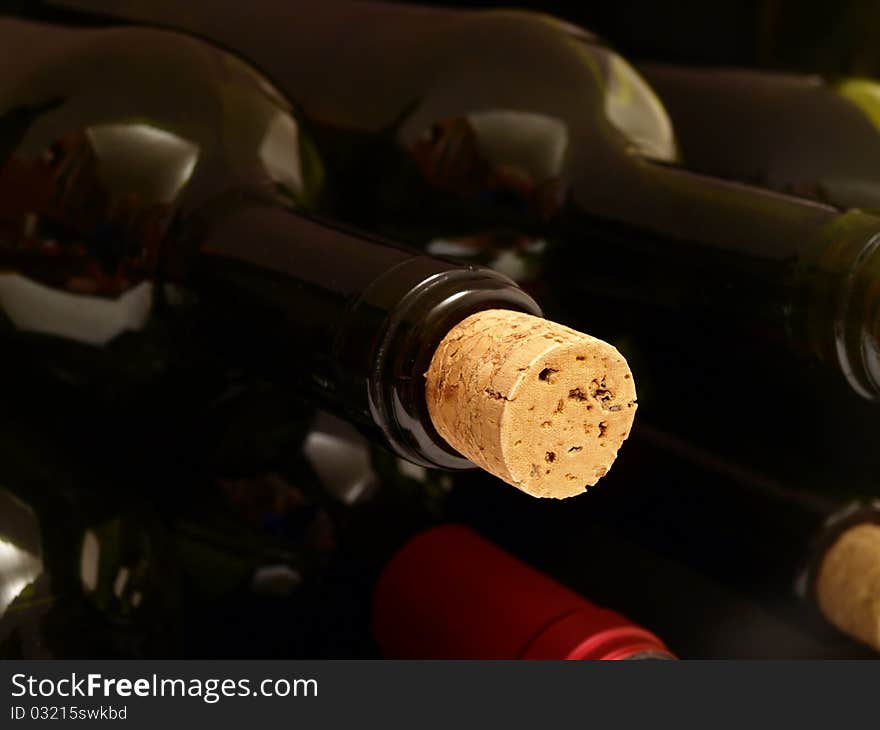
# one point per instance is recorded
(829, 37)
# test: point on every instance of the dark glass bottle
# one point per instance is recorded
(811, 137)
(482, 129)
(799, 134)
(152, 241)
(522, 142)
(762, 537)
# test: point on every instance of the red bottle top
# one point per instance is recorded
(450, 594)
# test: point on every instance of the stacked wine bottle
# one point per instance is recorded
(261, 323)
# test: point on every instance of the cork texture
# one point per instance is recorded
(848, 584)
(537, 404)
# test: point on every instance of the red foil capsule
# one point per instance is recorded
(450, 594)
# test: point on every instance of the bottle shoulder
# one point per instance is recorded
(168, 103)
(109, 139)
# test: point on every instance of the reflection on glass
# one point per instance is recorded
(91, 320)
(535, 144)
(276, 580)
(147, 162)
(515, 255)
(279, 153)
(89, 560)
(341, 459)
(864, 94)
(20, 558)
(81, 228)
(117, 564)
(634, 109)
(18, 569)
(501, 157)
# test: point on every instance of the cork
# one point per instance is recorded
(848, 583)
(537, 404)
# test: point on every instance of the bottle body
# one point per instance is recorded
(110, 141)
(149, 237)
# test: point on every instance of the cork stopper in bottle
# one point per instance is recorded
(537, 404)
(848, 583)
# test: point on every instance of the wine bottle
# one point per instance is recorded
(803, 556)
(486, 129)
(450, 594)
(796, 133)
(152, 220)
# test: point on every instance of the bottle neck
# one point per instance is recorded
(761, 536)
(796, 272)
(450, 594)
(845, 285)
(354, 320)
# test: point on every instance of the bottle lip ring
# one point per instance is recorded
(419, 322)
(851, 347)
